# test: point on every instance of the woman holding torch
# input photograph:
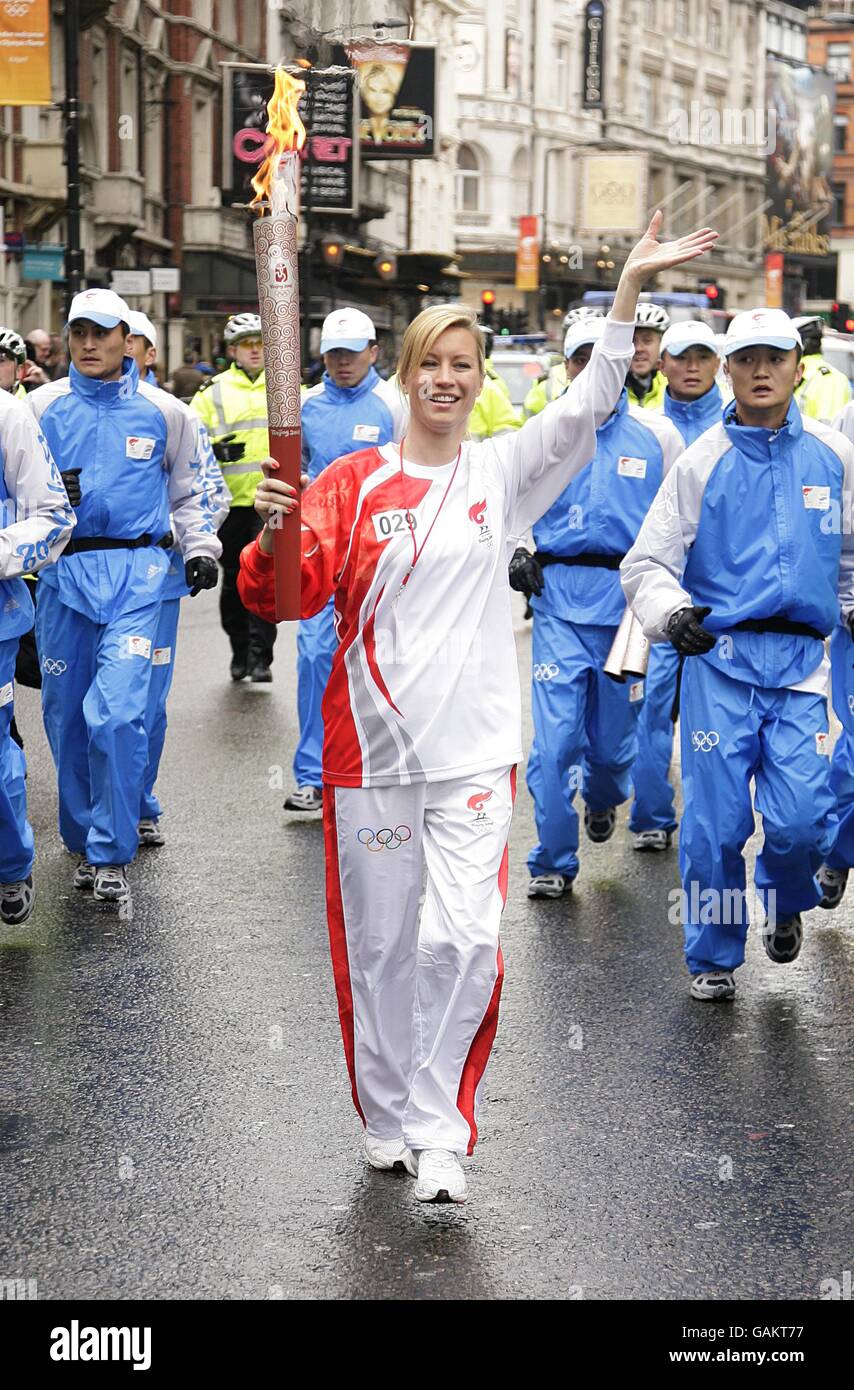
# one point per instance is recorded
(422, 713)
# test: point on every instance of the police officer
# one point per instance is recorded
(740, 567)
(645, 383)
(35, 523)
(351, 408)
(693, 403)
(233, 409)
(823, 391)
(585, 723)
(133, 450)
(214, 498)
(493, 412)
(13, 357)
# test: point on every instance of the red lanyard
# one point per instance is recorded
(418, 551)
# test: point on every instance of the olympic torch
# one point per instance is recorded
(276, 263)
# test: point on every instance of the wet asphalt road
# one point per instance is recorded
(175, 1119)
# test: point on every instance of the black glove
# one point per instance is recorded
(226, 451)
(851, 624)
(687, 634)
(526, 574)
(201, 573)
(71, 479)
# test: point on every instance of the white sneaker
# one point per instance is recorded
(713, 985)
(149, 833)
(440, 1177)
(549, 886)
(304, 799)
(651, 840)
(388, 1154)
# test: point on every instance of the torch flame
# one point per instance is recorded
(285, 131)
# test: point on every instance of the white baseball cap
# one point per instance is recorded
(103, 307)
(693, 333)
(141, 326)
(761, 327)
(346, 328)
(581, 334)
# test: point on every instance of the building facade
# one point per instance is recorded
(830, 45)
(682, 94)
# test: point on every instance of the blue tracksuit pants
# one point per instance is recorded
(842, 762)
(162, 670)
(16, 836)
(731, 732)
(95, 680)
(653, 807)
(316, 644)
(585, 736)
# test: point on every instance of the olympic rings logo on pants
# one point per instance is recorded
(53, 668)
(704, 742)
(546, 671)
(377, 840)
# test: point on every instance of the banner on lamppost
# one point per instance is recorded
(613, 194)
(593, 72)
(774, 280)
(25, 53)
(527, 255)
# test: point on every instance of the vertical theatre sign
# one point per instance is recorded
(593, 76)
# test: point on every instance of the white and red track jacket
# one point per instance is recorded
(425, 683)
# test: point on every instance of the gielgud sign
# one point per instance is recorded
(801, 102)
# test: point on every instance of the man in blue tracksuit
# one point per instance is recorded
(214, 500)
(35, 522)
(742, 564)
(136, 454)
(833, 874)
(693, 402)
(585, 723)
(351, 408)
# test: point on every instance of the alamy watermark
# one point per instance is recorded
(734, 125)
(721, 907)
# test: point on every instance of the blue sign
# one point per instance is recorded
(45, 262)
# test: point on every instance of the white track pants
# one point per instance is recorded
(418, 1004)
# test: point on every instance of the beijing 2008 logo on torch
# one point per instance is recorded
(481, 819)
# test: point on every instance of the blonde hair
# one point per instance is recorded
(421, 335)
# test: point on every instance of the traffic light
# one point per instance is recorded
(841, 317)
(714, 293)
(487, 299)
(386, 267)
(333, 250)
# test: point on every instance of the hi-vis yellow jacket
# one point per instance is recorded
(233, 404)
(824, 390)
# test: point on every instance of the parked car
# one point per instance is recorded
(520, 370)
(838, 351)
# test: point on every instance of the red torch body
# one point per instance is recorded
(276, 261)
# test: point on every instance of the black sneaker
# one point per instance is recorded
(111, 883)
(260, 674)
(16, 901)
(239, 668)
(783, 939)
(832, 883)
(600, 824)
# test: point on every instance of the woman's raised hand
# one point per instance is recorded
(650, 255)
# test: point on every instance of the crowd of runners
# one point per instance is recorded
(705, 483)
